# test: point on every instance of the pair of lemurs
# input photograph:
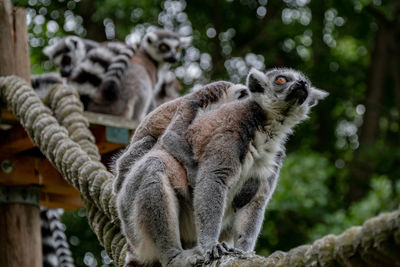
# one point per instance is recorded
(116, 78)
(194, 182)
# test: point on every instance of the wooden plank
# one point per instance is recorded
(28, 170)
(14, 140)
(7, 117)
(93, 118)
(103, 145)
(110, 120)
(61, 201)
(6, 40)
(20, 238)
(21, 47)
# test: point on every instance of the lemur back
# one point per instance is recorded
(211, 97)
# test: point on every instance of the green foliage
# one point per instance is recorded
(331, 41)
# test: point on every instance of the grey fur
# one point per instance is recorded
(209, 97)
(238, 149)
(153, 126)
(112, 78)
(42, 83)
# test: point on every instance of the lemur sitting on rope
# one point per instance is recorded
(201, 190)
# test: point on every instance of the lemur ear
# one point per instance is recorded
(72, 42)
(150, 37)
(49, 50)
(256, 81)
(185, 41)
(240, 91)
(316, 95)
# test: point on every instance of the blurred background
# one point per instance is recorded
(343, 164)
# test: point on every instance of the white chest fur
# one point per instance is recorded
(260, 157)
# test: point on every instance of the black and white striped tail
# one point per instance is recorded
(44, 82)
(56, 252)
(112, 79)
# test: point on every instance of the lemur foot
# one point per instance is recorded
(218, 250)
(187, 258)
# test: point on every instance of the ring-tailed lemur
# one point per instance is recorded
(68, 52)
(42, 83)
(144, 75)
(85, 63)
(55, 248)
(211, 96)
(238, 149)
(103, 76)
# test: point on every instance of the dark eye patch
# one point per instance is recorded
(66, 60)
(164, 47)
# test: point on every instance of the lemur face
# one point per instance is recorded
(281, 88)
(164, 46)
(66, 54)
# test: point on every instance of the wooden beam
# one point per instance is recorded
(20, 239)
(25, 170)
(103, 145)
(21, 47)
(110, 120)
(67, 202)
(14, 140)
(6, 40)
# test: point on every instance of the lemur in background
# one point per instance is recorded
(237, 150)
(42, 83)
(112, 79)
(55, 248)
(84, 63)
(68, 52)
(145, 74)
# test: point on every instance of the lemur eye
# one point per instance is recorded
(163, 47)
(280, 80)
(66, 60)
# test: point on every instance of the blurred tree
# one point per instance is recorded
(342, 164)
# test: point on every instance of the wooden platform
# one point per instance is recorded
(21, 163)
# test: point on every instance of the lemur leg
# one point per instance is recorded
(155, 216)
(251, 202)
(175, 143)
(210, 193)
(248, 222)
(134, 152)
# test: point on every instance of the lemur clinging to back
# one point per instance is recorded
(238, 149)
(210, 96)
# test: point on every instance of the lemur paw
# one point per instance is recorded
(218, 250)
(187, 258)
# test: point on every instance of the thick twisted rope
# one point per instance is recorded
(71, 150)
(68, 110)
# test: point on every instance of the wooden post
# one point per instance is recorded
(20, 236)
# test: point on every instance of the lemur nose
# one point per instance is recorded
(302, 83)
